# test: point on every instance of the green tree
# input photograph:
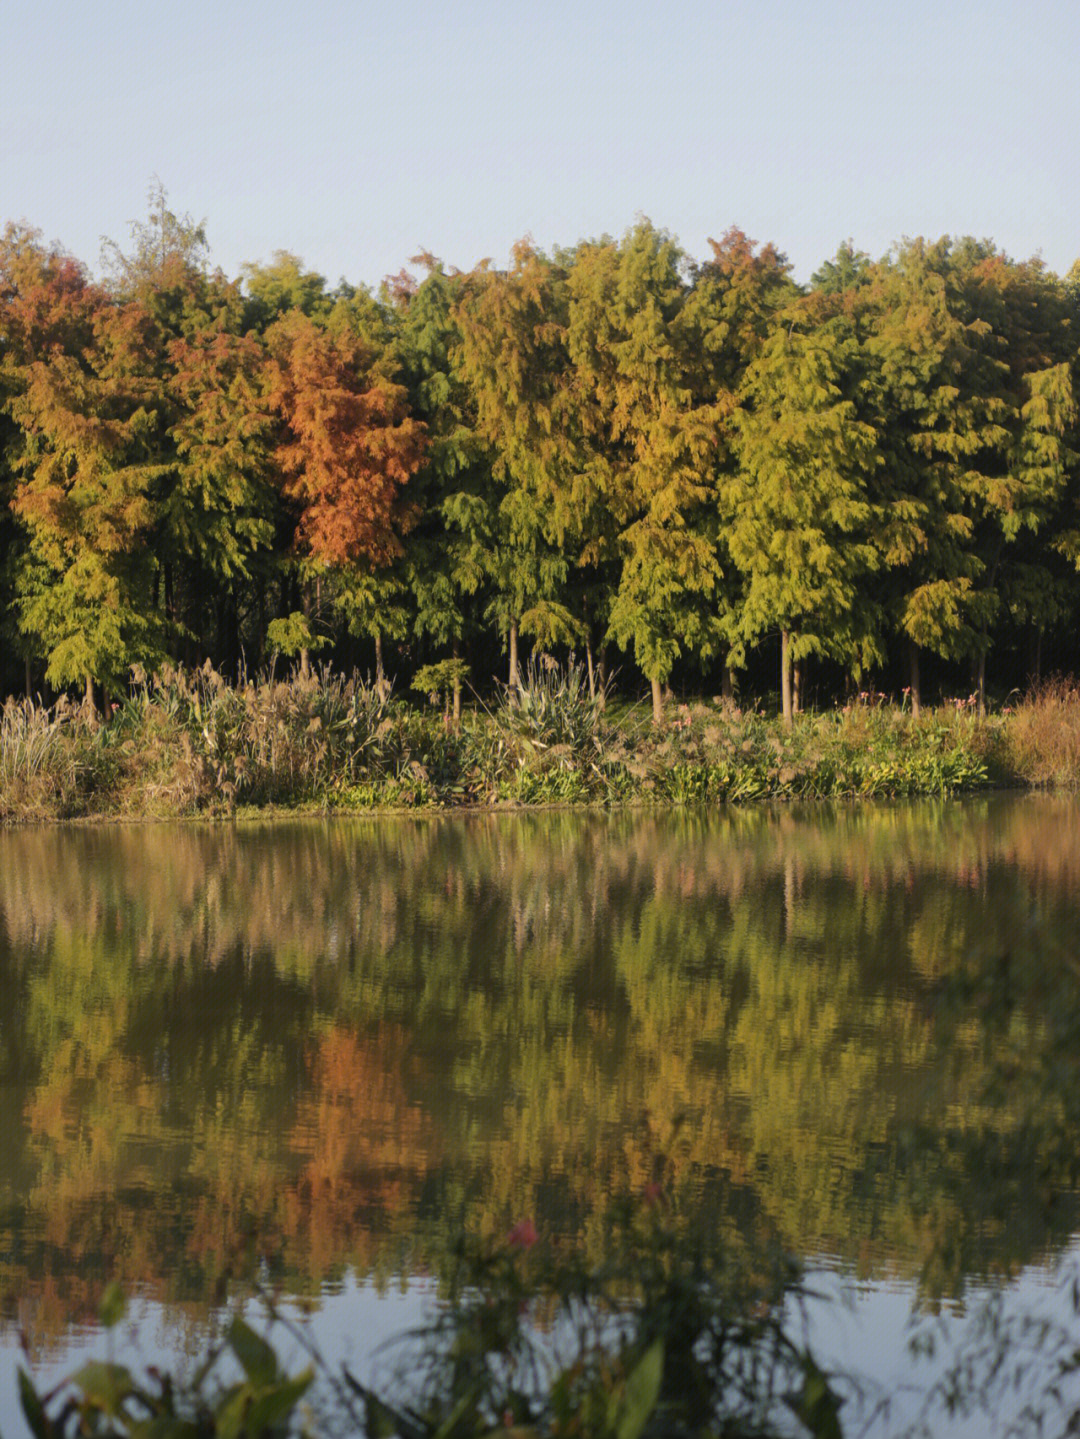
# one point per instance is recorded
(735, 297)
(512, 357)
(84, 483)
(446, 562)
(798, 510)
(213, 506)
(273, 289)
(975, 409)
(652, 444)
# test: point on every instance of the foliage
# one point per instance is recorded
(53, 763)
(662, 1338)
(552, 706)
(442, 679)
(611, 444)
(105, 1399)
(347, 445)
(185, 742)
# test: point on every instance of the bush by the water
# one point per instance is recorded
(190, 743)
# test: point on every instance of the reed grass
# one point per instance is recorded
(191, 743)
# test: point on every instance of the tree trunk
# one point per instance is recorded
(796, 688)
(515, 679)
(229, 623)
(785, 677)
(657, 702)
(980, 679)
(88, 695)
(380, 677)
(727, 685)
(916, 679)
(589, 666)
(601, 675)
(457, 691)
(305, 654)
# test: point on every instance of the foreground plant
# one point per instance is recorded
(107, 1399)
(666, 1337)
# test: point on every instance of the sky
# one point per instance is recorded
(355, 133)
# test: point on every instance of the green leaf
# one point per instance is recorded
(232, 1411)
(257, 1359)
(629, 1412)
(113, 1306)
(104, 1385)
(270, 1408)
(33, 1409)
(818, 1406)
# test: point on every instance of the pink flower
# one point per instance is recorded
(523, 1235)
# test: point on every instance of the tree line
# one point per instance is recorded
(610, 445)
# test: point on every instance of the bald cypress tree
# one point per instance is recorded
(512, 356)
(85, 470)
(652, 433)
(799, 509)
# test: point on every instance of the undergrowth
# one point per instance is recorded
(191, 743)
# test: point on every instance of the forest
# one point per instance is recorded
(698, 472)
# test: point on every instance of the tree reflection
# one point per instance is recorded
(291, 1049)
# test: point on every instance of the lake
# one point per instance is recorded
(308, 1053)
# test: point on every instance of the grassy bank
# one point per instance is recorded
(192, 744)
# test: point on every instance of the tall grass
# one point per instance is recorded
(51, 759)
(1041, 739)
(190, 742)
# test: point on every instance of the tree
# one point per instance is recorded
(652, 444)
(512, 356)
(735, 297)
(84, 478)
(213, 511)
(346, 445)
(447, 559)
(283, 285)
(797, 510)
(46, 308)
(975, 407)
(218, 513)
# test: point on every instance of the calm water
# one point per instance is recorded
(308, 1053)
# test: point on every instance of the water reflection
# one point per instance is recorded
(301, 1049)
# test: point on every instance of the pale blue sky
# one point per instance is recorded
(356, 133)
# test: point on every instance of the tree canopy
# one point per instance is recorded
(613, 444)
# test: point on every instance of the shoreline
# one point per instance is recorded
(194, 747)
